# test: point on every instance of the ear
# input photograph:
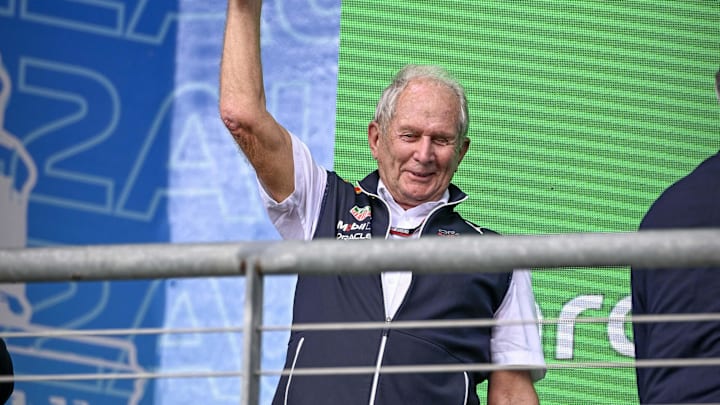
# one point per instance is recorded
(374, 138)
(463, 150)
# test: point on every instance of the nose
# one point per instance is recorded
(424, 152)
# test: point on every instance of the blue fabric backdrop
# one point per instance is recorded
(109, 133)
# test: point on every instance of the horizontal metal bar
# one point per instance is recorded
(449, 323)
(666, 248)
(130, 261)
(447, 368)
(119, 376)
(401, 369)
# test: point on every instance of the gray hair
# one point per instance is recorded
(385, 109)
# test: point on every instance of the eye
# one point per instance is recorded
(442, 141)
(408, 136)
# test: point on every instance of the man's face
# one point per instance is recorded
(419, 154)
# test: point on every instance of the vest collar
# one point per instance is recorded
(370, 185)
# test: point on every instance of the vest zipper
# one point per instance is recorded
(378, 363)
(386, 330)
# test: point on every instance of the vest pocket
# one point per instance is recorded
(404, 349)
(311, 349)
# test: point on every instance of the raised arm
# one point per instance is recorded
(266, 143)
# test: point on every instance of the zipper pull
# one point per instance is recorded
(386, 329)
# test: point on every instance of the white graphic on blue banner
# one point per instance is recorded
(111, 135)
(14, 197)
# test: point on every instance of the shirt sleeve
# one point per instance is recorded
(519, 344)
(296, 217)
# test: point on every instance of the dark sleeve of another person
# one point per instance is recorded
(6, 368)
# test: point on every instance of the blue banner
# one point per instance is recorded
(110, 133)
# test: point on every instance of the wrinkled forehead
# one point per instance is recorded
(425, 100)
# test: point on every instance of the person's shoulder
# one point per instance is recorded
(690, 201)
(697, 180)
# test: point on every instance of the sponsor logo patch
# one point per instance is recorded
(446, 232)
(354, 226)
(360, 214)
(358, 235)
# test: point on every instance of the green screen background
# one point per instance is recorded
(581, 114)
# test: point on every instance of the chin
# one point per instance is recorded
(419, 198)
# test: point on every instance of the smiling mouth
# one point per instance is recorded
(422, 175)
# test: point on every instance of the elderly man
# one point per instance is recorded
(418, 137)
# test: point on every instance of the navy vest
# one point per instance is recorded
(350, 212)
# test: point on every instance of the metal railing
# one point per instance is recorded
(646, 249)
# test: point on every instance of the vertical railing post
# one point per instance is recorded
(252, 342)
